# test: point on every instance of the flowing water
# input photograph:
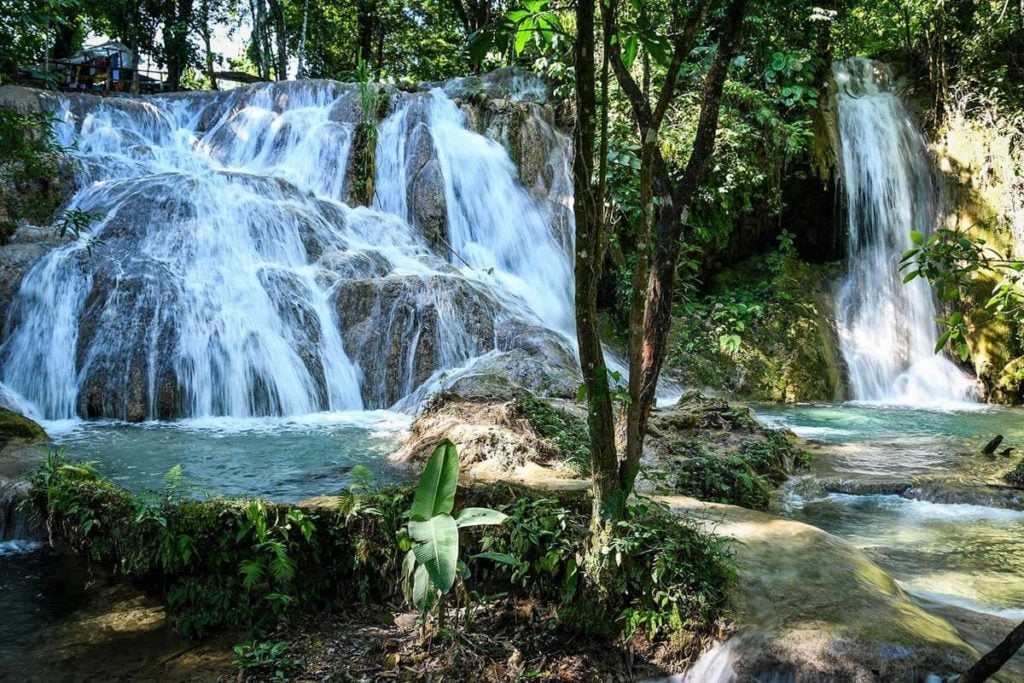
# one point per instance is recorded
(226, 275)
(887, 329)
(963, 552)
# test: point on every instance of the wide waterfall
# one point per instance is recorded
(228, 272)
(887, 329)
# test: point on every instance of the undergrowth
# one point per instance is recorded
(248, 564)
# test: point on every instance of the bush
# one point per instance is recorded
(246, 564)
(568, 432)
(744, 478)
(30, 164)
(223, 562)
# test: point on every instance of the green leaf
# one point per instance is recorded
(423, 589)
(478, 517)
(435, 493)
(436, 545)
(911, 275)
(408, 570)
(629, 50)
(501, 558)
(916, 237)
(523, 35)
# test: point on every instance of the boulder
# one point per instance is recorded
(495, 438)
(22, 444)
(811, 607)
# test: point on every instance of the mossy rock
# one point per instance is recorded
(718, 452)
(764, 333)
(1015, 477)
(16, 426)
(1009, 387)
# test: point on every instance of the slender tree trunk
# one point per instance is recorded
(380, 49)
(281, 36)
(206, 33)
(302, 41)
(176, 44)
(987, 666)
(589, 257)
(365, 20)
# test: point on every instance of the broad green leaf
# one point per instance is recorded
(436, 545)
(911, 275)
(408, 569)
(917, 237)
(501, 558)
(435, 493)
(629, 50)
(423, 590)
(478, 517)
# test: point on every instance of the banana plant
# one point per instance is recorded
(432, 534)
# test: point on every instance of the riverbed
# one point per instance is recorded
(969, 554)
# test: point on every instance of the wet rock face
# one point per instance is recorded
(400, 329)
(427, 206)
(16, 260)
(811, 607)
(138, 290)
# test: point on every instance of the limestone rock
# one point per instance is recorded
(811, 607)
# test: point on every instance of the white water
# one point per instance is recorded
(887, 329)
(227, 277)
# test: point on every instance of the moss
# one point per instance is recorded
(716, 452)
(248, 564)
(980, 160)
(1015, 477)
(16, 426)
(745, 477)
(764, 333)
(567, 431)
(363, 165)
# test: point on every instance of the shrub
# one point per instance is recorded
(246, 564)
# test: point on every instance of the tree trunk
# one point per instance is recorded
(365, 20)
(589, 257)
(67, 31)
(281, 36)
(672, 212)
(301, 73)
(988, 665)
(176, 45)
(206, 33)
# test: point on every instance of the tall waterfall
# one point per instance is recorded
(227, 273)
(887, 329)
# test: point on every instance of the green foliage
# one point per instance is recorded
(951, 261)
(30, 162)
(247, 564)
(431, 563)
(567, 431)
(264, 657)
(672, 576)
(744, 478)
(672, 580)
(761, 331)
(535, 24)
(222, 563)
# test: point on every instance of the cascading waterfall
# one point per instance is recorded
(887, 329)
(226, 275)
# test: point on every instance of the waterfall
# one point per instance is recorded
(887, 329)
(227, 274)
